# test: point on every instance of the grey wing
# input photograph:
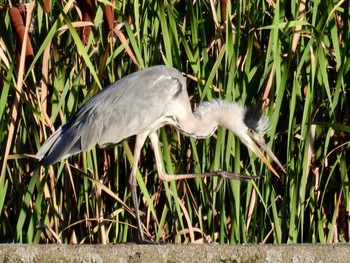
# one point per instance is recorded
(128, 107)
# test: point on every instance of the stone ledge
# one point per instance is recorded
(175, 253)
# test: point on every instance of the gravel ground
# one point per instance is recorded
(175, 253)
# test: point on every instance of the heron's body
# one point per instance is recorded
(105, 118)
(139, 104)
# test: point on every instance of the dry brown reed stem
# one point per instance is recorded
(19, 31)
(223, 6)
(298, 28)
(17, 22)
(108, 15)
(44, 85)
(46, 6)
(87, 10)
(22, 10)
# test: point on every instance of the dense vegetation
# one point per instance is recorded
(293, 55)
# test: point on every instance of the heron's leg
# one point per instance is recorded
(168, 177)
(140, 140)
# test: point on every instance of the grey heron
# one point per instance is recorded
(138, 105)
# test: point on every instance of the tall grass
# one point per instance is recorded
(292, 55)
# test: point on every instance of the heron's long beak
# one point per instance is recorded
(259, 142)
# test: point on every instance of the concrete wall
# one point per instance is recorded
(174, 253)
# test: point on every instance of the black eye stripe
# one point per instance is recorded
(252, 117)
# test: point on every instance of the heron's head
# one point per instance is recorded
(248, 124)
(251, 129)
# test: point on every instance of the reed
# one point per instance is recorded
(293, 55)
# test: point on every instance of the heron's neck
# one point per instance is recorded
(209, 115)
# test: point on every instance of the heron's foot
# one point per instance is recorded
(237, 176)
(144, 241)
(229, 175)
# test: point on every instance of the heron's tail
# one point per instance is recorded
(58, 146)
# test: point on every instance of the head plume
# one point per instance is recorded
(256, 121)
